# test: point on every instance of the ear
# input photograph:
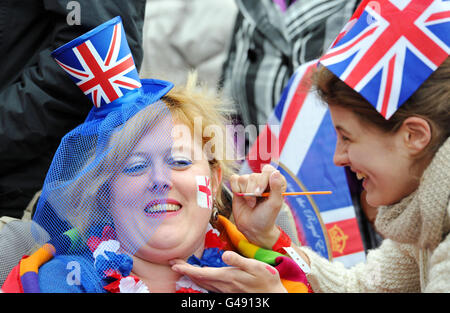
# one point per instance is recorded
(416, 134)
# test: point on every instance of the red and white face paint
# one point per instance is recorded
(204, 193)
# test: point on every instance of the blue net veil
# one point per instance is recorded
(103, 196)
(86, 189)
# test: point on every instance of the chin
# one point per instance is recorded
(162, 255)
(163, 239)
(374, 199)
(166, 239)
(377, 201)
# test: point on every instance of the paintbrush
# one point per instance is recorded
(298, 193)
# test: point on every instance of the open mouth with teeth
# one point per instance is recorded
(364, 178)
(159, 207)
(360, 175)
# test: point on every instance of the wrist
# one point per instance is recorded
(264, 240)
(283, 241)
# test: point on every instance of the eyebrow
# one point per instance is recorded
(342, 129)
(146, 153)
(164, 150)
(179, 148)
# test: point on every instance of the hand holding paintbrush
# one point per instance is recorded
(254, 216)
(257, 202)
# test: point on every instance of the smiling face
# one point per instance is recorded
(380, 159)
(155, 197)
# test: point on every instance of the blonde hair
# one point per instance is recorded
(192, 101)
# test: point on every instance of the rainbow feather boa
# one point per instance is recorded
(116, 267)
(292, 277)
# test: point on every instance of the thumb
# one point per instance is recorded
(277, 185)
(234, 259)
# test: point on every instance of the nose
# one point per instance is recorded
(159, 186)
(340, 157)
(160, 180)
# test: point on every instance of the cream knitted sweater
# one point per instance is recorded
(415, 256)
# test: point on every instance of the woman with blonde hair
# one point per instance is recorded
(122, 200)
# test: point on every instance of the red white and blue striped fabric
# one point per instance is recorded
(299, 139)
(389, 48)
(100, 63)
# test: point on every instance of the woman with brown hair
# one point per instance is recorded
(402, 159)
(404, 163)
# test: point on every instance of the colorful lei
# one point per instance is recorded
(114, 268)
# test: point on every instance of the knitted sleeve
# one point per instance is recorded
(439, 272)
(390, 268)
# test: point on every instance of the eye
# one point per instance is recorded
(179, 162)
(344, 138)
(135, 168)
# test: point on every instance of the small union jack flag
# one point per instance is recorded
(389, 48)
(100, 63)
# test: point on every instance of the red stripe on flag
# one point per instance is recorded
(337, 52)
(360, 9)
(296, 103)
(263, 150)
(344, 237)
(438, 16)
(387, 90)
(120, 82)
(95, 98)
(112, 46)
(72, 70)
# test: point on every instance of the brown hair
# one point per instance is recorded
(430, 102)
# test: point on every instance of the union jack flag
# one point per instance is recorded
(100, 63)
(389, 48)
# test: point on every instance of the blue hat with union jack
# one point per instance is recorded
(102, 66)
(94, 191)
(389, 48)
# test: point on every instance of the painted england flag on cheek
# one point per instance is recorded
(204, 194)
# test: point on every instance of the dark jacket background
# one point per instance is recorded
(39, 103)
